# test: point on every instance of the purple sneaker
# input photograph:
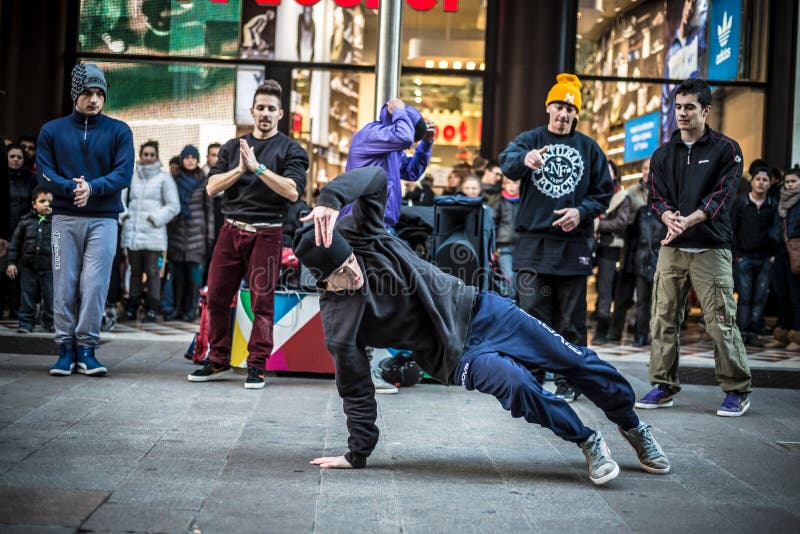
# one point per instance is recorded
(734, 405)
(659, 397)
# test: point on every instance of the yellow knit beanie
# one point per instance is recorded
(568, 89)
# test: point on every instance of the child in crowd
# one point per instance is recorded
(29, 257)
(505, 213)
(471, 186)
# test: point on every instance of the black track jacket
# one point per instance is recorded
(405, 303)
(702, 177)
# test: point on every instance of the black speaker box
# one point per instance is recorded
(463, 239)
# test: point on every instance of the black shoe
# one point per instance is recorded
(255, 379)
(130, 315)
(189, 317)
(614, 337)
(171, 316)
(151, 317)
(752, 340)
(641, 341)
(567, 392)
(210, 372)
(599, 339)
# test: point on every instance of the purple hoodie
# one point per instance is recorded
(381, 144)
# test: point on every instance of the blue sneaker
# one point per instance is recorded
(734, 405)
(65, 363)
(658, 397)
(88, 364)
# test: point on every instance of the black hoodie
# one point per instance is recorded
(405, 303)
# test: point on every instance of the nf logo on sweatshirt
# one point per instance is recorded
(563, 169)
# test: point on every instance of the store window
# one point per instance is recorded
(327, 108)
(437, 39)
(160, 27)
(454, 104)
(620, 43)
(173, 104)
(324, 32)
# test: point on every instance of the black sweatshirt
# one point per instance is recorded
(405, 303)
(251, 200)
(575, 175)
(701, 177)
(751, 227)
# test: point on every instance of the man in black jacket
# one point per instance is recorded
(693, 179)
(378, 292)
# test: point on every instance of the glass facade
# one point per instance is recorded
(164, 86)
(631, 55)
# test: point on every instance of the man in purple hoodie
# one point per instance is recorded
(382, 144)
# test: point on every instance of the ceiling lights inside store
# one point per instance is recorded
(444, 53)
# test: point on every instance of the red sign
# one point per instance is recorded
(419, 5)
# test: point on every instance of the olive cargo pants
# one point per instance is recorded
(710, 274)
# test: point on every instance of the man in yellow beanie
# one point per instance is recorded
(564, 185)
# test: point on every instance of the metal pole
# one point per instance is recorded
(387, 66)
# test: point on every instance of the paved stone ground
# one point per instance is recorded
(144, 450)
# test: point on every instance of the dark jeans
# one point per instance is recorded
(607, 258)
(623, 300)
(186, 279)
(644, 295)
(506, 344)
(257, 257)
(37, 285)
(144, 262)
(787, 288)
(752, 280)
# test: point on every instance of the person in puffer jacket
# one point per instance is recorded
(151, 202)
(189, 235)
(29, 258)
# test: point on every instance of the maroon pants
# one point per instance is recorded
(256, 256)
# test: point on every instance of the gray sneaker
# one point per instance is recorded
(651, 457)
(381, 385)
(602, 468)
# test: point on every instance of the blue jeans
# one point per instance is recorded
(752, 281)
(505, 259)
(506, 343)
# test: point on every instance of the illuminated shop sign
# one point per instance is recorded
(419, 5)
(726, 22)
(641, 137)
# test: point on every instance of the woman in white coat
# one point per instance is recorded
(151, 202)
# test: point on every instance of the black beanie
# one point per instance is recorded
(321, 261)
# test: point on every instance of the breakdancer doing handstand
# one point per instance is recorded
(377, 292)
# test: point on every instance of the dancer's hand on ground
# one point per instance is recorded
(332, 462)
(324, 220)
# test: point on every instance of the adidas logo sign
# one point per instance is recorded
(724, 30)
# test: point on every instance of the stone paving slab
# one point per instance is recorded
(65, 507)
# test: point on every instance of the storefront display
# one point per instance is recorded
(666, 40)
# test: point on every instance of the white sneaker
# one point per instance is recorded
(381, 385)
